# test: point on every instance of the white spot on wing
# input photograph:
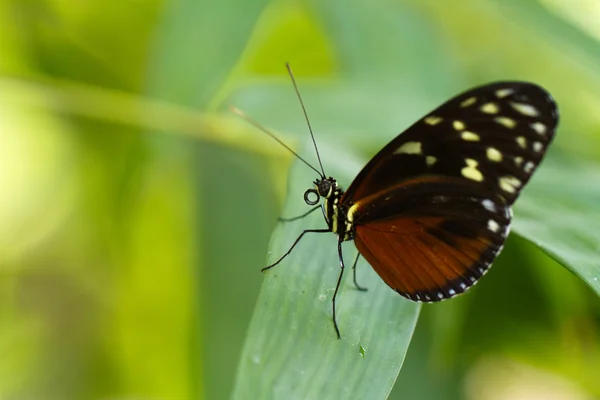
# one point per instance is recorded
(529, 166)
(488, 205)
(524, 108)
(537, 146)
(493, 226)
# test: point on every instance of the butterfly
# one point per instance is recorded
(431, 211)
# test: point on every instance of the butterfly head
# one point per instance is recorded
(325, 188)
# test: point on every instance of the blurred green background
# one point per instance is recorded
(136, 210)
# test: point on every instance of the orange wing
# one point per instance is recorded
(421, 260)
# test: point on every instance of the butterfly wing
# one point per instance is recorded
(493, 135)
(432, 209)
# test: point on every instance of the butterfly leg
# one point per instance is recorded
(337, 287)
(299, 216)
(294, 245)
(361, 288)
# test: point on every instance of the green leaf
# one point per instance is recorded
(379, 42)
(547, 21)
(559, 213)
(198, 45)
(292, 351)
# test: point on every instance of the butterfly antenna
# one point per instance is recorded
(265, 130)
(289, 68)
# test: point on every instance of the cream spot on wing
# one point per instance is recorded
(469, 136)
(430, 160)
(409, 148)
(493, 154)
(471, 171)
(468, 102)
(521, 141)
(433, 120)
(509, 183)
(537, 146)
(539, 128)
(518, 161)
(458, 125)
(506, 122)
(503, 93)
(490, 108)
(524, 108)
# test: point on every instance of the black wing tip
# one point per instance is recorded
(523, 86)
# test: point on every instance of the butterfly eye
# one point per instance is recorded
(307, 197)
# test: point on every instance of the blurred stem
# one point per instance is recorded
(117, 107)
